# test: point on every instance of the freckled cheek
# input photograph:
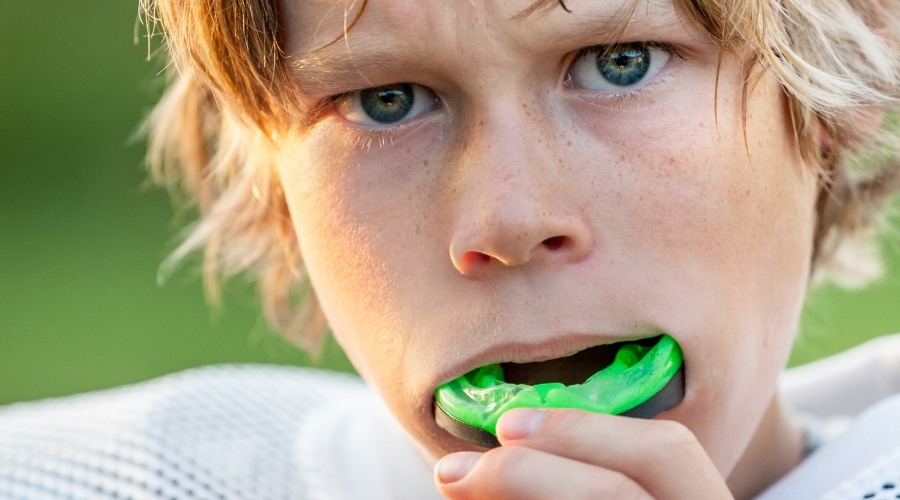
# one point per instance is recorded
(695, 183)
(726, 209)
(352, 209)
(657, 178)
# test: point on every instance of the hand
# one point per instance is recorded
(576, 454)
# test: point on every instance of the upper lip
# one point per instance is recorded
(517, 351)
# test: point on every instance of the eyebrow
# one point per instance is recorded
(327, 70)
(319, 71)
(541, 5)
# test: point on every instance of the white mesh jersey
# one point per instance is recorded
(264, 432)
(856, 394)
(862, 463)
(224, 432)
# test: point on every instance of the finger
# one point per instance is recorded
(522, 473)
(663, 456)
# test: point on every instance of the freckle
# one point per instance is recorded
(425, 163)
(568, 143)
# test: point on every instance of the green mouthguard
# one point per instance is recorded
(637, 374)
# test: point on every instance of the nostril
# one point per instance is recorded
(554, 243)
(473, 258)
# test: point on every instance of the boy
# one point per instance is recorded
(517, 183)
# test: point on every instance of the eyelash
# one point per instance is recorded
(362, 140)
(375, 136)
(366, 136)
(604, 47)
(321, 108)
(619, 99)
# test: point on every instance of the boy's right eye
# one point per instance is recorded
(386, 105)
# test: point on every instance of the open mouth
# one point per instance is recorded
(636, 378)
(568, 370)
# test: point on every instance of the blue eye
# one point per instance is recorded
(616, 68)
(387, 104)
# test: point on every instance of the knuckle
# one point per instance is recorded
(676, 434)
(676, 440)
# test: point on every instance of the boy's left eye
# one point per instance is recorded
(618, 67)
(386, 105)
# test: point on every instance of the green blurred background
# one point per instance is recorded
(82, 235)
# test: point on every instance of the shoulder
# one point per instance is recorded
(862, 463)
(847, 383)
(217, 432)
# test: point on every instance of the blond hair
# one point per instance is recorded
(229, 91)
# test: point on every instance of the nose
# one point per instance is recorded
(517, 201)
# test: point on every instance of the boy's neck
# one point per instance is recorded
(776, 448)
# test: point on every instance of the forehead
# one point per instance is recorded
(318, 19)
(333, 36)
(321, 17)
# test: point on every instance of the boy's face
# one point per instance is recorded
(526, 199)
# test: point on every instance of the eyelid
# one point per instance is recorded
(321, 108)
(605, 48)
(650, 92)
(350, 108)
(579, 76)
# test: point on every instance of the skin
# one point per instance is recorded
(522, 218)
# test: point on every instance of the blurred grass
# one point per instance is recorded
(81, 236)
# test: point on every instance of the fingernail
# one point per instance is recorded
(520, 423)
(455, 466)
